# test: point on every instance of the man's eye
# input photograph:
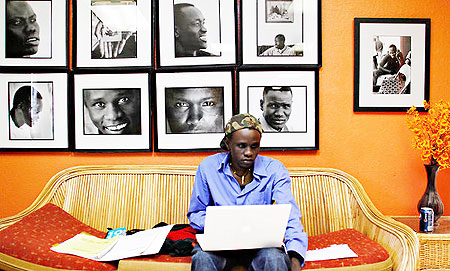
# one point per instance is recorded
(181, 104)
(241, 145)
(208, 103)
(124, 100)
(274, 106)
(98, 105)
(255, 146)
(17, 22)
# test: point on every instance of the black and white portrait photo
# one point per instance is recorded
(197, 32)
(279, 11)
(279, 32)
(28, 29)
(278, 108)
(392, 67)
(31, 110)
(285, 102)
(112, 111)
(194, 110)
(197, 28)
(114, 29)
(392, 64)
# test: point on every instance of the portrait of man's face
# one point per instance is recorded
(114, 111)
(276, 106)
(22, 30)
(190, 30)
(194, 110)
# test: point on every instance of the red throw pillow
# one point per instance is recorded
(30, 240)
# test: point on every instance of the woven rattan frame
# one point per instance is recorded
(139, 196)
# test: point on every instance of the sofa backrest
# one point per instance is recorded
(139, 197)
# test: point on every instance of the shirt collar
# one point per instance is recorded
(258, 168)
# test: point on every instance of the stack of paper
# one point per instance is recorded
(141, 243)
(329, 253)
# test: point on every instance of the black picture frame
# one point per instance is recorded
(36, 115)
(391, 84)
(48, 47)
(180, 97)
(218, 42)
(112, 112)
(296, 123)
(301, 33)
(102, 41)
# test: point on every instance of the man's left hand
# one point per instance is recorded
(295, 264)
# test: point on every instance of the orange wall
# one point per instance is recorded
(373, 147)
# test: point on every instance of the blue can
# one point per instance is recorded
(426, 219)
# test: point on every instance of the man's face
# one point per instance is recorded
(279, 43)
(31, 112)
(277, 107)
(114, 111)
(392, 51)
(22, 30)
(195, 110)
(244, 146)
(190, 29)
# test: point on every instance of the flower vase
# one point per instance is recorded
(431, 197)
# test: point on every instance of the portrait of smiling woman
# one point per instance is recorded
(112, 111)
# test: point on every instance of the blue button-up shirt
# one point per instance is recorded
(215, 185)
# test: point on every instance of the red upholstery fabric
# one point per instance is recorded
(368, 251)
(30, 240)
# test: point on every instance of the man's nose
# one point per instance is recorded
(112, 112)
(248, 152)
(31, 27)
(195, 114)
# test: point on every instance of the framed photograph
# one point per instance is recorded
(102, 40)
(197, 32)
(112, 112)
(35, 112)
(392, 64)
(192, 109)
(286, 104)
(281, 32)
(44, 43)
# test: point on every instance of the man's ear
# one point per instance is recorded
(177, 34)
(227, 143)
(261, 104)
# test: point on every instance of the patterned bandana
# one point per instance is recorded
(238, 122)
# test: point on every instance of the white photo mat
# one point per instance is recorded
(303, 85)
(111, 142)
(364, 94)
(143, 21)
(219, 21)
(177, 142)
(54, 110)
(53, 23)
(253, 14)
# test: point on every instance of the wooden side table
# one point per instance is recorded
(434, 250)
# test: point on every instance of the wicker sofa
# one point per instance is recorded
(141, 196)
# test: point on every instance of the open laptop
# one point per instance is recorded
(244, 227)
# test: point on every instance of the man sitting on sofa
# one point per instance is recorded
(241, 177)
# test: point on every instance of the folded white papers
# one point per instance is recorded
(330, 253)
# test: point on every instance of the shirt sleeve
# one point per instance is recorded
(296, 239)
(200, 199)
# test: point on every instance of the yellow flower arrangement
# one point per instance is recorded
(432, 132)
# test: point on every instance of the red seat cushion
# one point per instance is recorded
(369, 251)
(30, 240)
(371, 255)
